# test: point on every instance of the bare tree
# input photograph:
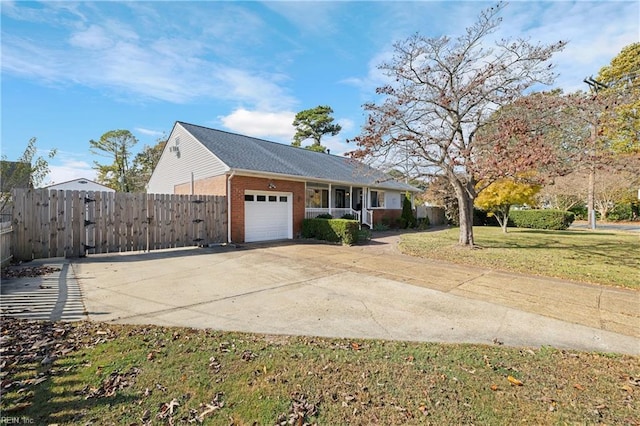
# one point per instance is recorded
(442, 91)
(565, 192)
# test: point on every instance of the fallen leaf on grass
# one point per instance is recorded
(167, 409)
(494, 387)
(299, 410)
(247, 355)
(578, 386)
(514, 381)
(628, 388)
(214, 364)
(215, 405)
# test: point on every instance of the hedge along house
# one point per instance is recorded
(271, 187)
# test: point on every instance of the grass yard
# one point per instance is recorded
(115, 374)
(608, 258)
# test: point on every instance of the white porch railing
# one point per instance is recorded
(367, 217)
(311, 213)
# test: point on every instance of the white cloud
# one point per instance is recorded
(263, 124)
(178, 64)
(94, 38)
(278, 127)
(346, 124)
(596, 32)
(316, 17)
(336, 144)
(260, 90)
(149, 132)
(69, 169)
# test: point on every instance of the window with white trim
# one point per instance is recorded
(317, 196)
(377, 199)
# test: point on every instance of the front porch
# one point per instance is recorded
(337, 201)
(365, 216)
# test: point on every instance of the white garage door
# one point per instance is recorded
(268, 216)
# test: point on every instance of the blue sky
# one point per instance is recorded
(72, 71)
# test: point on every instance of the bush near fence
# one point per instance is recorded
(541, 219)
(333, 230)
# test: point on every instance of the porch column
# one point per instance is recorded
(330, 199)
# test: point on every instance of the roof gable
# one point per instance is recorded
(240, 152)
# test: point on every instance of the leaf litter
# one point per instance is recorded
(324, 380)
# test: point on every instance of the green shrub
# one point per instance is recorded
(364, 236)
(541, 219)
(423, 223)
(333, 230)
(324, 216)
(381, 226)
(622, 211)
(407, 219)
(348, 217)
(579, 212)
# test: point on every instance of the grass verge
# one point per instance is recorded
(596, 257)
(117, 374)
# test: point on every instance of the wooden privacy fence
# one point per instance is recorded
(5, 243)
(76, 223)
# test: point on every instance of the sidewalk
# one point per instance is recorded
(607, 308)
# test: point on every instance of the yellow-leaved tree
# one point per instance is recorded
(498, 198)
(620, 124)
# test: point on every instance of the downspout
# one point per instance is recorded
(229, 207)
(192, 183)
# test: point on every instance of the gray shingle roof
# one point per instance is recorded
(247, 153)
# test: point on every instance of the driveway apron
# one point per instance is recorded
(367, 291)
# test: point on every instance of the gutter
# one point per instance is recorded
(305, 179)
(229, 206)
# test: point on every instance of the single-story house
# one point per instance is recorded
(80, 184)
(271, 187)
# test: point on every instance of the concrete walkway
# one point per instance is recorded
(367, 291)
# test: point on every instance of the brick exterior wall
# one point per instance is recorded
(216, 185)
(390, 217)
(239, 184)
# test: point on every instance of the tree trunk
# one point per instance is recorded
(504, 221)
(465, 207)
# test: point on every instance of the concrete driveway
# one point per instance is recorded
(356, 292)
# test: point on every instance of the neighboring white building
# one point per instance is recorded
(80, 184)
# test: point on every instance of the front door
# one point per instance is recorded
(340, 198)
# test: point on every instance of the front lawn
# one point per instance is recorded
(93, 373)
(608, 258)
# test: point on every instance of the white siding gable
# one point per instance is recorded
(182, 156)
(80, 185)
